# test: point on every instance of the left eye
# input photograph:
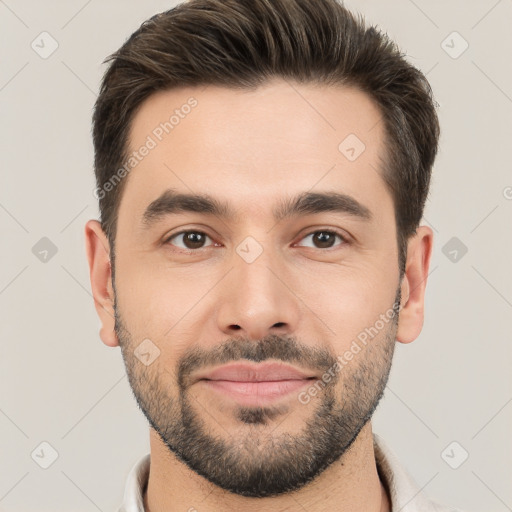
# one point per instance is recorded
(190, 239)
(324, 238)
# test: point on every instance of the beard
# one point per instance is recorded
(255, 460)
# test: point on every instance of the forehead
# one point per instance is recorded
(249, 147)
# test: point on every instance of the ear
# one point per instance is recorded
(414, 282)
(100, 271)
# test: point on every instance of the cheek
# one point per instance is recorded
(347, 300)
(163, 304)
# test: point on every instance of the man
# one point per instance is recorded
(262, 168)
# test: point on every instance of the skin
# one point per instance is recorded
(252, 149)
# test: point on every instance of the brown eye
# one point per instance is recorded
(190, 240)
(324, 239)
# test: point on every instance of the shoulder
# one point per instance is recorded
(405, 494)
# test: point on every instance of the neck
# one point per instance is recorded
(349, 484)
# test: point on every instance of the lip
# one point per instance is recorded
(246, 372)
(255, 385)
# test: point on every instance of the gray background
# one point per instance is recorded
(59, 384)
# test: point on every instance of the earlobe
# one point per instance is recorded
(414, 282)
(100, 272)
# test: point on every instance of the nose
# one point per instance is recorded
(258, 299)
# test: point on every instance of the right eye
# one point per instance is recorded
(190, 240)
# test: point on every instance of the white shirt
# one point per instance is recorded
(405, 494)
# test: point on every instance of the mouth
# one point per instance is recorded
(255, 385)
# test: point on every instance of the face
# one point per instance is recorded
(288, 259)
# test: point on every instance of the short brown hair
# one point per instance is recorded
(243, 44)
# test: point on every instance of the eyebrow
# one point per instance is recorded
(173, 202)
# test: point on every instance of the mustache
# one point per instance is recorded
(283, 348)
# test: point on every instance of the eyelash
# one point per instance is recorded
(329, 231)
